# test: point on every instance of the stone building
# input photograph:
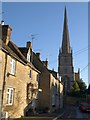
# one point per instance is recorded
(19, 77)
(26, 82)
(51, 89)
(65, 58)
(50, 84)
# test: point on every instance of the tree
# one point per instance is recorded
(82, 85)
(75, 89)
(79, 88)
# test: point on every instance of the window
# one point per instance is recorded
(30, 73)
(53, 99)
(35, 95)
(10, 96)
(12, 66)
(57, 88)
(37, 77)
(29, 94)
(53, 81)
(28, 57)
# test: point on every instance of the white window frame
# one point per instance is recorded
(12, 66)
(28, 57)
(54, 81)
(10, 96)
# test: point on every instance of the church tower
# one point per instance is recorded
(65, 59)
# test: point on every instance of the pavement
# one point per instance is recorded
(53, 114)
(44, 116)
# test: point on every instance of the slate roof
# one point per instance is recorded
(23, 50)
(12, 50)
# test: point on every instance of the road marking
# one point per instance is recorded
(58, 116)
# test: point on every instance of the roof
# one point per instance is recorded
(12, 50)
(54, 73)
(23, 50)
(39, 64)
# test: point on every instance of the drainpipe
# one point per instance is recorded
(4, 78)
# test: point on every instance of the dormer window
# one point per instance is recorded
(28, 57)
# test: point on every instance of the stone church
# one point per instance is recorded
(65, 58)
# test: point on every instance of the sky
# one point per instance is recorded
(45, 21)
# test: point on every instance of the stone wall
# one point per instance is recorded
(73, 100)
(19, 83)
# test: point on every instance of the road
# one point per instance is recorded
(70, 113)
(73, 113)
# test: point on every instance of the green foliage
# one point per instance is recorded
(75, 87)
(78, 89)
(82, 85)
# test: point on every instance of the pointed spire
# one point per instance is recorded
(65, 39)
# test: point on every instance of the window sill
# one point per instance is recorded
(10, 74)
(9, 105)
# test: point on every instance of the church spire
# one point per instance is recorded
(65, 39)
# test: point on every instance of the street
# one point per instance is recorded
(69, 113)
(73, 113)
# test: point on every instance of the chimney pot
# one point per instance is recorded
(38, 55)
(45, 63)
(2, 22)
(29, 45)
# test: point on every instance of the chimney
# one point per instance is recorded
(52, 69)
(2, 22)
(45, 63)
(38, 55)
(29, 45)
(6, 32)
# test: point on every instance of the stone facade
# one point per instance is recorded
(50, 93)
(0, 79)
(26, 82)
(18, 76)
(50, 85)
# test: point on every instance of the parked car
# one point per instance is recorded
(84, 107)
